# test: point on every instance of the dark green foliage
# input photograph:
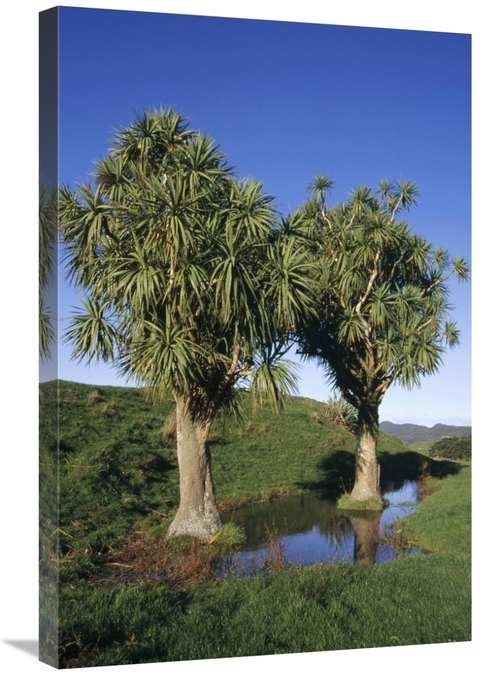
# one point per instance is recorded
(453, 448)
(191, 284)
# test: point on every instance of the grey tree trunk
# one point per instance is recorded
(198, 515)
(367, 472)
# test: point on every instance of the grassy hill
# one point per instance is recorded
(116, 471)
(118, 466)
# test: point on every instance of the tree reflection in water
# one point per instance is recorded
(366, 536)
(309, 529)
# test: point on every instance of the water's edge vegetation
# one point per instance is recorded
(118, 486)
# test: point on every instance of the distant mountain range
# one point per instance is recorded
(414, 433)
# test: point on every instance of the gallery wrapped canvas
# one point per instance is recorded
(254, 248)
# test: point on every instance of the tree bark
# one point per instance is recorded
(367, 471)
(198, 515)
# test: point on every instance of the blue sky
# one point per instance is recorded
(287, 101)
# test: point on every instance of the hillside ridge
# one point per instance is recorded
(413, 433)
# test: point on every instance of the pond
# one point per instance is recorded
(309, 529)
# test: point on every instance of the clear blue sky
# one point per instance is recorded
(287, 101)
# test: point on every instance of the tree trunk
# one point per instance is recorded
(367, 472)
(198, 515)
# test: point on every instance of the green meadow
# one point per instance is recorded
(129, 596)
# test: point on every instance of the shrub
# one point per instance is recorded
(459, 449)
(340, 413)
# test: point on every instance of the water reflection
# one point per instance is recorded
(309, 529)
(366, 537)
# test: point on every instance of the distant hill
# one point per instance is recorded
(416, 433)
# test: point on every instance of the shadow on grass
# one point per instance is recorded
(337, 470)
(412, 465)
(337, 474)
(157, 467)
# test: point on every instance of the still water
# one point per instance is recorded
(309, 529)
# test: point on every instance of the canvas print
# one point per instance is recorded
(255, 431)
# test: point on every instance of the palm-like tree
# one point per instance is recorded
(192, 285)
(383, 313)
(47, 254)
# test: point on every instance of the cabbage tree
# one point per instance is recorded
(47, 260)
(191, 285)
(383, 311)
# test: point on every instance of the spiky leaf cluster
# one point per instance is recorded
(384, 313)
(191, 282)
(341, 413)
(47, 258)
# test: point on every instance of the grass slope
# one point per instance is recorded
(118, 465)
(117, 474)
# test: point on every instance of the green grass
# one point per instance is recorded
(421, 446)
(442, 523)
(345, 503)
(327, 607)
(118, 484)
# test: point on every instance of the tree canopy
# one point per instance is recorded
(191, 282)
